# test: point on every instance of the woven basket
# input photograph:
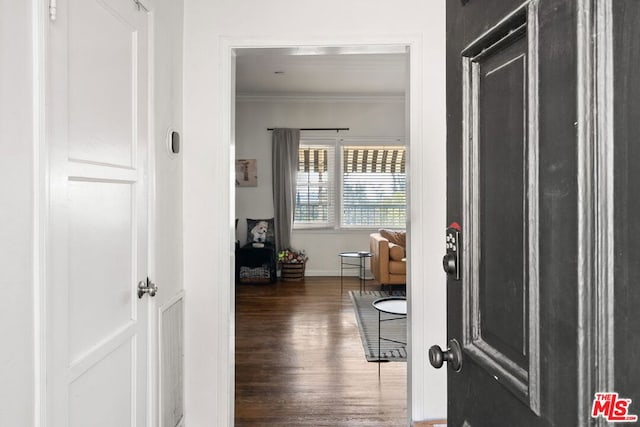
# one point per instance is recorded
(292, 272)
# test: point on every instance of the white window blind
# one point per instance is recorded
(314, 204)
(374, 187)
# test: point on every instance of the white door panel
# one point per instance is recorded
(102, 396)
(97, 106)
(100, 248)
(106, 51)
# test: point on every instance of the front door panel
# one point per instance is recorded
(501, 145)
(511, 160)
(500, 152)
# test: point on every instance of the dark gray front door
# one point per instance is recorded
(512, 187)
(545, 276)
(623, 355)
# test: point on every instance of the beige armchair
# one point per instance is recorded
(388, 261)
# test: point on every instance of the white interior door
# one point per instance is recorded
(97, 107)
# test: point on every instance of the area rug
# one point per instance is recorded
(367, 318)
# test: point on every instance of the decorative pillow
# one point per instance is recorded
(397, 237)
(261, 230)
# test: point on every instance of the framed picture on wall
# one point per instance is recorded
(246, 173)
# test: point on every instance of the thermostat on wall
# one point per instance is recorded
(174, 142)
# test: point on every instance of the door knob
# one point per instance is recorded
(147, 287)
(449, 264)
(453, 356)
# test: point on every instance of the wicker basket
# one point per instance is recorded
(292, 272)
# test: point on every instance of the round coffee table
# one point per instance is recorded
(360, 256)
(396, 306)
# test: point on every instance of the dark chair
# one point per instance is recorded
(256, 265)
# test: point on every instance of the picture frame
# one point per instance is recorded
(246, 173)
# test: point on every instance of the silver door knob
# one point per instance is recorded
(453, 356)
(147, 287)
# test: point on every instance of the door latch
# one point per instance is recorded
(147, 287)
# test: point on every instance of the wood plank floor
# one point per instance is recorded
(300, 362)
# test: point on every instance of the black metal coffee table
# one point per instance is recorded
(391, 305)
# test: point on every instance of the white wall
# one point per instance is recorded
(211, 29)
(364, 116)
(17, 358)
(20, 196)
(168, 30)
(166, 263)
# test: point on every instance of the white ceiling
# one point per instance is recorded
(323, 72)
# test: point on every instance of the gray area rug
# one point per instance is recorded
(367, 318)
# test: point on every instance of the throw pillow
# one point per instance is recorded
(261, 230)
(397, 237)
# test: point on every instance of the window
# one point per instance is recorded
(314, 206)
(370, 181)
(374, 186)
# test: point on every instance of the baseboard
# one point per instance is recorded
(367, 276)
(432, 423)
(335, 273)
(320, 273)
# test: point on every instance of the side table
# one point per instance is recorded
(345, 264)
(396, 306)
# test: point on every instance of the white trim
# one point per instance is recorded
(224, 303)
(153, 348)
(319, 98)
(396, 141)
(41, 212)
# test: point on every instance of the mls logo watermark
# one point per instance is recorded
(612, 408)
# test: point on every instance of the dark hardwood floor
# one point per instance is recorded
(300, 362)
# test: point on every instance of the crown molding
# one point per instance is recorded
(308, 97)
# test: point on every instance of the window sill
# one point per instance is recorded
(334, 230)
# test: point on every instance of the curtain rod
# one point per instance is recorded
(336, 129)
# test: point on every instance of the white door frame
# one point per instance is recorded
(427, 198)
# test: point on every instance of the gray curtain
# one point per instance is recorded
(284, 157)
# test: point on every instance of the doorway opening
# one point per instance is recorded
(425, 140)
(363, 92)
